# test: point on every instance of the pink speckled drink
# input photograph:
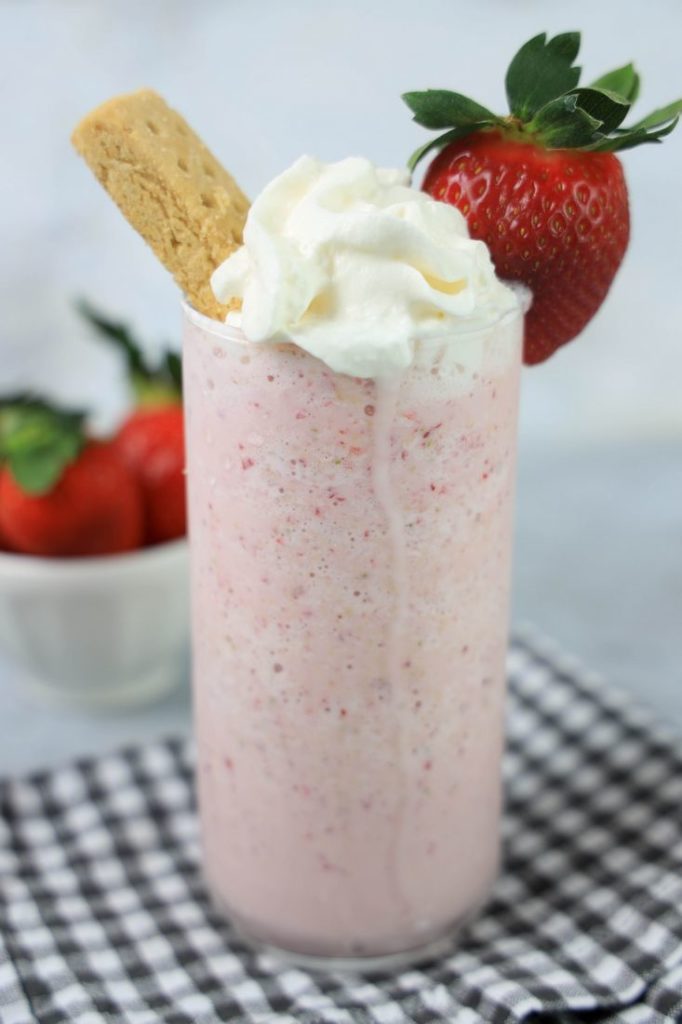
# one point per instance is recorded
(350, 548)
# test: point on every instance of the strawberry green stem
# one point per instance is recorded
(547, 105)
(152, 383)
(38, 440)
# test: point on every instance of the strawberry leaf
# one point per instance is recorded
(440, 142)
(548, 106)
(39, 471)
(440, 108)
(607, 107)
(541, 71)
(623, 81)
(631, 137)
(661, 116)
(152, 384)
(38, 441)
(174, 369)
(562, 124)
(120, 335)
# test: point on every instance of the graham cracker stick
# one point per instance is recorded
(169, 186)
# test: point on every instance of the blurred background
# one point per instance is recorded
(599, 547)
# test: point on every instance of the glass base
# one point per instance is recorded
(390, 962)
(442, 944)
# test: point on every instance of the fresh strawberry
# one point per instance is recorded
(542, 186)
(63, 495)
(4, 543)
(151, 439)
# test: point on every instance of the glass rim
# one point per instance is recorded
(226, 332)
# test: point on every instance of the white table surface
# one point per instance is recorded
(598, 568)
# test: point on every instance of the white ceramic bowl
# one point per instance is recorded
(99, 631)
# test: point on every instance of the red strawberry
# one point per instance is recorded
(151, 439)
(60, 494)
(542, 186)
(556, 220)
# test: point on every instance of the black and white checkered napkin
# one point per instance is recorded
(104, 918)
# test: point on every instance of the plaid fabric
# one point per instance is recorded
(104, 918)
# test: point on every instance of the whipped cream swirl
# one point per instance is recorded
(354, 266)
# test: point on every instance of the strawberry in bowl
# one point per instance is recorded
(151, 439)
(543, 186)
(86, 614)
(63, 494)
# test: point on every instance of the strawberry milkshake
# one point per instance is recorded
(351, 440)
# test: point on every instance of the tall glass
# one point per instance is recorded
(350, 560)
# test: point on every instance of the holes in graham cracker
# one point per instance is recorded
(208, 171)
(182, 164)
(180, 129)
(152, 128)
(208, 201)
